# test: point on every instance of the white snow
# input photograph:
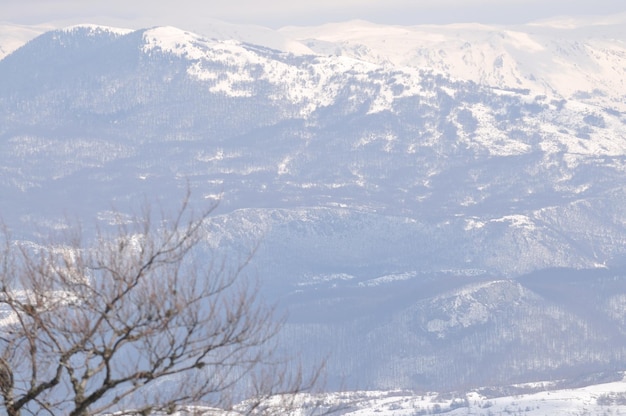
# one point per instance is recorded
(558, 58)
(464, 307)
(12, 37)
(325, 278)
(553, 59)
(544, 399)
(473, 224)
(395, 277)
(582, 61)
(517, 221)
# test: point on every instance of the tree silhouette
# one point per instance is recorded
(139, 321)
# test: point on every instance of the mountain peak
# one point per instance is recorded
(175, 41)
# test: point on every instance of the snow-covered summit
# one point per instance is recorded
(573, 59)
(569, 58)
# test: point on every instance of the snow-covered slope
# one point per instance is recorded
(532, 399)
(12, 36)
(571, 59)
(600, 397)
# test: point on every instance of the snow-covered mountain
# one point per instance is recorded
(433, 203)
(566, 58)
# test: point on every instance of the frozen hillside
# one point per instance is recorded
(532, 399)
(431, 204)
(601, 396)
(567, 58)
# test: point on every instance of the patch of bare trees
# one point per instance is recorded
(139, 321)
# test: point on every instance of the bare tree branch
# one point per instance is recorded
(143, 319)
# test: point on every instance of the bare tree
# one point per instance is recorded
(140, 321)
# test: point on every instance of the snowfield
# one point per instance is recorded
(542, 399)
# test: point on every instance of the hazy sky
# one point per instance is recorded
(277, 13)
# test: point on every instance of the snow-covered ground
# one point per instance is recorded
(543, 399)
(601, 399)
(593, 400)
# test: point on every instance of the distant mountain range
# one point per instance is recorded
(437, 206)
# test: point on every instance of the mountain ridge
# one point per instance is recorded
(464, 48)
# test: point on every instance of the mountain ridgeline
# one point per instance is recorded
(423, 229)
